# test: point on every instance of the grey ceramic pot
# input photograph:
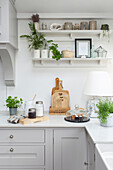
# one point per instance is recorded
(13, 111)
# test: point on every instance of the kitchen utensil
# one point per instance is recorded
(59, 99)
(37, 119)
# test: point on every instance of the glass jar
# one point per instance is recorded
(39, 108)
(32, 113)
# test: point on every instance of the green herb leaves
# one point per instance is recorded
(105, 108)
(13, 102)
(56, 54)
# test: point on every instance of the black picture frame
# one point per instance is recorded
(87, 49)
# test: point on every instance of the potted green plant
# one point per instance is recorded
(105, 113)
(35, 40)
(56, 53)
(13, 104)
(45, 50)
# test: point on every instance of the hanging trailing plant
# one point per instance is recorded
(106, 29)
(56, 53)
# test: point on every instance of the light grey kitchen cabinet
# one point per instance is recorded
(70, 149)
(26, 149)
(99, 163)
(91, 153)
(8, 23)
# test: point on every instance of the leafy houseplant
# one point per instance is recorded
(35, 40)
(56, 53)
(105, 28)
(13, 104)
(45, 51)
(105, 113)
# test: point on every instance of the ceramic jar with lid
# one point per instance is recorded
(68, 26)
(39, 108)
(93, 25)
(84, 25)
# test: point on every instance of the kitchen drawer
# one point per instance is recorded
(22, 155)
(25, 136)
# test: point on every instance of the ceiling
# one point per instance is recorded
(64, 6)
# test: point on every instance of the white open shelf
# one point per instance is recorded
(73, 33)
(70, 62)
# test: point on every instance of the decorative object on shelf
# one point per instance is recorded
(93, 53)
(98, 85)
(105, 113)
(83, 48)
(39, 108)
(56, 54)
(68, 54)
(101, 52)
(106, 29)
(93, 25)
(44, 26)
(35, 40)
(68, 26)
(59, 99)
(76, 27)
(84, 26)
(13, 104)
(56, 27)
(35, 19)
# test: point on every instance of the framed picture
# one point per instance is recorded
(83, 48)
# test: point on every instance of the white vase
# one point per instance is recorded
(37, 26)
(109, 122)
(36, 53)
(44, 53)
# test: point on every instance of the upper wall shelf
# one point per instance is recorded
(73, 33)
(70, 62)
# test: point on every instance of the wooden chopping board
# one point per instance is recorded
(37, 119)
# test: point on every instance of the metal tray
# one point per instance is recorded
(74, 119)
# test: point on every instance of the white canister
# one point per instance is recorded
(39, 108)
(36, 53)
(44, 53)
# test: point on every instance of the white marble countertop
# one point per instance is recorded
(98, 133)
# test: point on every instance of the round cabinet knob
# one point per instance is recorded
(11, 136)
(86, 163)
(11, 150)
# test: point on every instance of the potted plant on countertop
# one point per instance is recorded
(13, 104)
(105, 113)
(56, 53)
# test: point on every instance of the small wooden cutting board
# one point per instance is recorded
(25, 121)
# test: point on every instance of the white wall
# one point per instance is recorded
(31, 80)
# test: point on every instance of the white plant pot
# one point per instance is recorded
(44, 54)
(109, 122)
(36, 53)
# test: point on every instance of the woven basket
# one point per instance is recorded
(68, 54)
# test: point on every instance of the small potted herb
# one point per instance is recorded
(105, 113)
(13, 104)
(56, 53)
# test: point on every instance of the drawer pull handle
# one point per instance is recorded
(11, 150)
(11, 136)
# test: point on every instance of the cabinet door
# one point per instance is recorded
(4, 20)
(70, 149)
(91, 154)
